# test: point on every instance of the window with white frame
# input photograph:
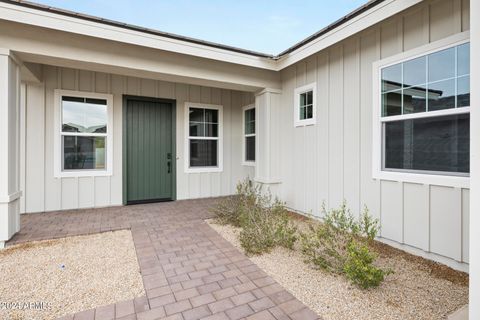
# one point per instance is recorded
(84, 133)
(249, 135)
(425, 113)
(204, 145)
(305, 105)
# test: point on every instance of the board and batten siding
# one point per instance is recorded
(44, 192)
(332, 160)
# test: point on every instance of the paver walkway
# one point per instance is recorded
(189, 271)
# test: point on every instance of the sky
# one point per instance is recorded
(268, 26)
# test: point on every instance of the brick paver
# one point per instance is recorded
(188, 270)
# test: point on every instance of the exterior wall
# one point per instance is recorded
(332, 160)
(474, 284)
(43, 192)
(9, 145)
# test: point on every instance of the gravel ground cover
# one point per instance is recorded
(69, 275)
(418, 290)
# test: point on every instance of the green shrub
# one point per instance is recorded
(341, 219)
(265, 222)
(339, 244)
(369, 227)
(359, 266)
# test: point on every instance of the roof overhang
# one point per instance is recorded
(67, 21)
(59, 48)
(12, 11)
(328, 37)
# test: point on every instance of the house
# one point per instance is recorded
(373, 109)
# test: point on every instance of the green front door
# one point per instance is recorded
(149, 168)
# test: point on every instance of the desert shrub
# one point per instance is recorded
(226, 211)
(324, 246)
(264, 221)
(229, 210)
(359, 267)
(339, 244)
(285, 231)
(266, 227)
(369, 226)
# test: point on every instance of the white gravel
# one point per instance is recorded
(411, 293)
(97, 270)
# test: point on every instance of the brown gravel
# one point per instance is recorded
(418, 289)
(99, 269)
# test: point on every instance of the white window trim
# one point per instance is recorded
(218, 168)
(57, 162)
(377, 152)
(296, 103)
(244, 136)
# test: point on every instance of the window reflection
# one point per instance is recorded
(441, 95)
(414, 72)
(203, 123)
(441, 65)
(306, 105)
(81, 152)
(250, 121)
(203, 153)
(414, 100)
(437, 81)
(84, 115)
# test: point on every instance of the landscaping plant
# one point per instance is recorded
(359, 266)
(265, 227)
(340, 244)
(230, 209)
(264, 222)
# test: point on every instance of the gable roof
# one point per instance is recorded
(124, 25)
(370, 4)
(371, 13)
(115, 23)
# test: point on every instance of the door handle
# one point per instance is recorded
(169, 163)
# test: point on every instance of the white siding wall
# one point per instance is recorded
(332, 160)
(43, 192)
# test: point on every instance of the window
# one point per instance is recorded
(437, 144)
(305, 105)
(249, 135)
(204, 132)
(83, 134)
(425, 113)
